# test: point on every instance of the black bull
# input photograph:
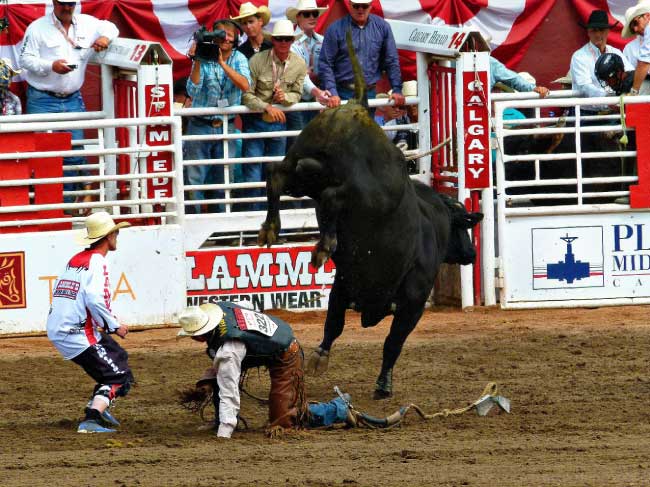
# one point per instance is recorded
(386, 234)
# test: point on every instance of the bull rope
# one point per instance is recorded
(362, 419)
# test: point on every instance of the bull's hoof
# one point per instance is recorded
(267, 235)
(318, 362)
(319, 257)
(381, 394)
(384, 385)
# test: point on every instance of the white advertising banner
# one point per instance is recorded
(576, 259)
(259, 278)
(147, 276)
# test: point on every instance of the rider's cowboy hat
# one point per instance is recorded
(631, 14)
(247, 9)
(598, 20)
(98, 225)
(303, 6)
(199, 320)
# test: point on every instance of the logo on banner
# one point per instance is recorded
(12, 280)
(570, 257)
(476, 119)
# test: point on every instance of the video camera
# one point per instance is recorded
(206, 49)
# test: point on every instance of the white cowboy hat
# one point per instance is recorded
(98, 225)
(632, 13)
(283, 28)
(529, 78)
(360, 1)
(564, 80)
(303, 6)
(247, 9)
(198, 320)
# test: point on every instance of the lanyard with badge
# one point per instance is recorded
(59, 26)
(223, 101)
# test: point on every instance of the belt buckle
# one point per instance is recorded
(216, 123)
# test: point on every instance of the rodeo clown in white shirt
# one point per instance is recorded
(80, 319)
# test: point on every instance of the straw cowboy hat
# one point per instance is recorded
(283, 28)
(303, 6)
(598, 20)
(199, 320)
(564, 80)
(98, 225)
(247, 9)
(631, 14)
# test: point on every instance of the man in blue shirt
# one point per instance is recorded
(216, 82)
(375, 47)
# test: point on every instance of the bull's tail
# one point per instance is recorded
(360, 87)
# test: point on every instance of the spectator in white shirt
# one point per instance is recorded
(54, 56)
(637, 19)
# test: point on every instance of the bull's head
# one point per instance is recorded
(460, 249)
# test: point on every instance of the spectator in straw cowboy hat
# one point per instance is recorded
(81, 321)
(252, 20)
(637, 19)
(277, 76)
(583, 61)
(307, 45)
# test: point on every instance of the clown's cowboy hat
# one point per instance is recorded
(98, 225)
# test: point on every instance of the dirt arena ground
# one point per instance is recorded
(578, 381)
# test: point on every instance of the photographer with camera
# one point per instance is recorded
(218, 78)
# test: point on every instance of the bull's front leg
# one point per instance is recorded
(275, 183)
(330, 203)
(334, 323)
(404, 321)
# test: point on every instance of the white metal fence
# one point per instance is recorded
(131, 201)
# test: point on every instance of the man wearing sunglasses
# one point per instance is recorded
(54, 56)
(277, 76)
(375, 47)
(637, 19)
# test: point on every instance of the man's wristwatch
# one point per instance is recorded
(634, 91)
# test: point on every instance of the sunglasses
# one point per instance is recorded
(66, 4)
(363, 6)
(283, 39)
(309, 13)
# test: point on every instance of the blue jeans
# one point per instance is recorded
(212, 174)
(273, 146)
(348, 94)
(327, 413)
(40, 102)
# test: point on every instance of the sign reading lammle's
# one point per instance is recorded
(279, 277)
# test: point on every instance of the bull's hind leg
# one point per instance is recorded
(330, 204)
(334, 323)
(404, 321)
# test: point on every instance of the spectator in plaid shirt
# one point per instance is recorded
(220, 83)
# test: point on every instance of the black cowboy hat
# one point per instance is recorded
(598, 20)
